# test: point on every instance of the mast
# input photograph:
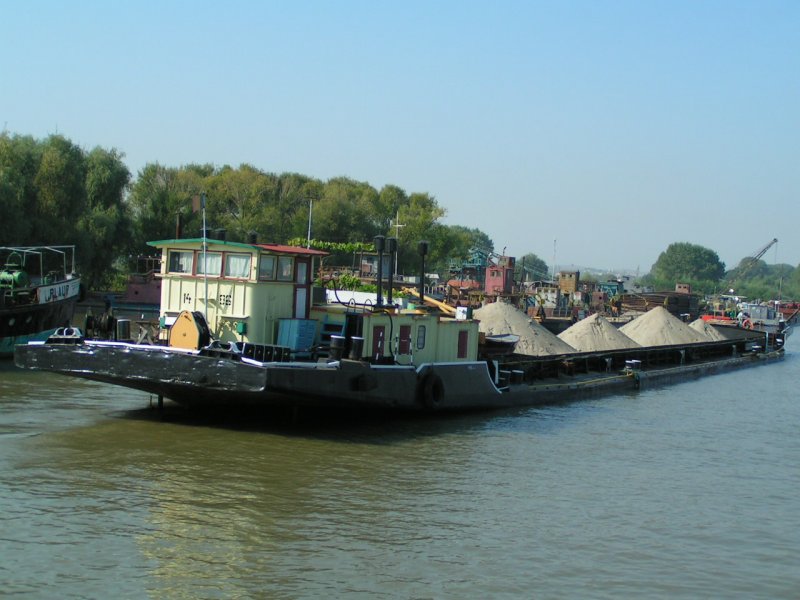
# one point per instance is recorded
(205, 258)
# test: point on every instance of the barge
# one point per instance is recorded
(243, 326)
(227, 377)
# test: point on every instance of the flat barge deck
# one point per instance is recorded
(220, 377)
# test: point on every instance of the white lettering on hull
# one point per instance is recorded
(59, 291)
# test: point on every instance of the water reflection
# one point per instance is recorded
(219, 507)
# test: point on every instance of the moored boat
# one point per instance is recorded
(243, 324)
(142, 293)
(765, 317)
(38, 292)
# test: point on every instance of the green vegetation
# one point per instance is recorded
(701, 267)
(533, 266)
(54, 192)
(687, 263)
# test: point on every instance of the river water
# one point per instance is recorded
(689, 491)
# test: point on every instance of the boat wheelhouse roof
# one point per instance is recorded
(274, 248)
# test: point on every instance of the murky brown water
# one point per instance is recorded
(683, 492)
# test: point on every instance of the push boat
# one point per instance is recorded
(243, 325)
(38, 292)
(765, 317)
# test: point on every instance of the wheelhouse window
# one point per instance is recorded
(420, 337)
(237, 265)
(302, 272)
(266, 267)
(209, 263)
(285, 268)
(180, 261)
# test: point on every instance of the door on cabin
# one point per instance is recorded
(404, 342)
(301, 287)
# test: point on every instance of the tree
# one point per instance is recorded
(244, 197)
(104, 227)
(60, 191)
(791, 285)
(390, 199)
(52, 192)
(346, 212)
(683, 262)
(155, 203)
(454, 243)
(767, 282)
(420, 219)
(19, 162)
(297, 195)
(532, 266)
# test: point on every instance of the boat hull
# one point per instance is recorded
(32, 322)
(219, 380)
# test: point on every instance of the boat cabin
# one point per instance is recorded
(759, 312)
(243, 290)
(261, 295)
(398, 336)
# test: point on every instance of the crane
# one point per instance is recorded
(720, 302)
(748, 263)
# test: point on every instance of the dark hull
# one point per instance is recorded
(18, 324)
(218, 381)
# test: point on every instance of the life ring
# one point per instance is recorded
(430, 391)
(747, 324)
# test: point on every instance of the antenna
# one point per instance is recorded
(205, 258)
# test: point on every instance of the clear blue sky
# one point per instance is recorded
(613, 127)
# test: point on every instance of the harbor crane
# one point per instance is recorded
(748, 263)
(723, 302)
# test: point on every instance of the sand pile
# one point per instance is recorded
(657, 327)
(534, 340)
(707, 330)
(595, 333)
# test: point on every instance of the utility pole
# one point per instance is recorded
(310, 206)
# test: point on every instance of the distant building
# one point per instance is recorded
(568, 281)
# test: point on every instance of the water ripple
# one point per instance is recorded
(681, 492)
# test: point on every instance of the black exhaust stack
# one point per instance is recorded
(391, 248)
(423, 250)
(379, 247)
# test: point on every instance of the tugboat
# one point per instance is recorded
(765, 317)
(38, 292)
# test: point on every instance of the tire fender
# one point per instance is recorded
(430, 391)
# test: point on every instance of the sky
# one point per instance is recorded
(591, 133)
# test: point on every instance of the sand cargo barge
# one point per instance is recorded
(217, 377)
(243, 326)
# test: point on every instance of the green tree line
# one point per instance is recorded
(702, 268)
(54, 192)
